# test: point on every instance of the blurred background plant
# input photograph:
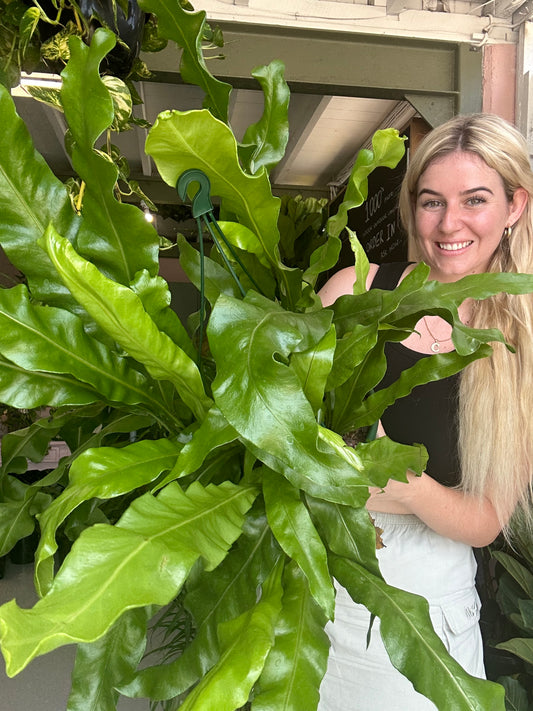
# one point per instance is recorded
(301, 223)
(507, 595)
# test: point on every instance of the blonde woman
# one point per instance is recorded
(466, 202)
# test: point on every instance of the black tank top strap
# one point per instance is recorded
(388, 275)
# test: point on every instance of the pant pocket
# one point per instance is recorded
(459, 630)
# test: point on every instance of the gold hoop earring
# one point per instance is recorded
(508, 231)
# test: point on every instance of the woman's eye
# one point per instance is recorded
(431, 204)
(475, 200)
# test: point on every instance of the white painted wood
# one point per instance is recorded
(454, 20)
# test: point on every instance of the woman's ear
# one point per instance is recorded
(517, 205)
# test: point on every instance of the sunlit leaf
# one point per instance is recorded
(387, 150)
(361, 263)
(143, 560)
(271, 133)
(119, 311)
(195, 139)
(28, 26)
(114, 234)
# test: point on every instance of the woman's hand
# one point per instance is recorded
(397, 493)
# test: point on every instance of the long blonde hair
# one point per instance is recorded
(496, 393)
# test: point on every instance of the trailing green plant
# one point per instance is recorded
(223, 479)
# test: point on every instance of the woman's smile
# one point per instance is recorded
(454, 246)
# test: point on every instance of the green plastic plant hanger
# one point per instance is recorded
(202, 209)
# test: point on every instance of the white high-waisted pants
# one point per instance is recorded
(418, 560)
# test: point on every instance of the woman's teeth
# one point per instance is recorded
(453, 246)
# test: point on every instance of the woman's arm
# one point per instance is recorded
(450, 512)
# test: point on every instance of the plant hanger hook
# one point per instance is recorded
(201, 202)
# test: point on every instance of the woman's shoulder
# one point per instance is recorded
(382, 276)
(342, 282)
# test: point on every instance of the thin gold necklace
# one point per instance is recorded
(435, 346)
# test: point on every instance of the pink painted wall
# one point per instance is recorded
(499, 80)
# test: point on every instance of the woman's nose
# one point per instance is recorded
(450, 219)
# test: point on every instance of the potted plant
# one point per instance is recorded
(208, 467)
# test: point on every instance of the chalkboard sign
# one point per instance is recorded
(377, 222)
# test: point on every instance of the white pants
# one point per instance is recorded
(418, 560)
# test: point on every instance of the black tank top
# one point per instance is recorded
(428, 415)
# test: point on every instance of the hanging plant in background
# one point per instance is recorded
(228, 485)
(34, 34)
(126, 20)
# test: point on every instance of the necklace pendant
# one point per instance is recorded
(435, 347)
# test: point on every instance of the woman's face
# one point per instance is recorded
(461, 211)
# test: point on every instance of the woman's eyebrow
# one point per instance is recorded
(427, 191)
(476, 190)
(479, 188)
